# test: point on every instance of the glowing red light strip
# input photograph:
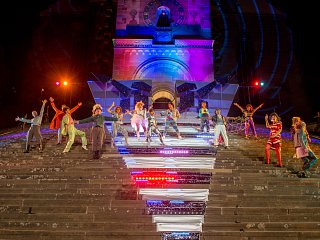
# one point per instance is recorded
(160, 178)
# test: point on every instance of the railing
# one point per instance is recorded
(235, 124)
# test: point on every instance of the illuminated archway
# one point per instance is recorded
(161, 99)
(163, 70)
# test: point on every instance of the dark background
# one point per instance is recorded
(302, 18)
(20, 19)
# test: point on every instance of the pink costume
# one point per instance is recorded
(139, 119)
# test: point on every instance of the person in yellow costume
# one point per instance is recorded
(69, 129)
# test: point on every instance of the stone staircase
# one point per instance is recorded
(57, 196)
(70, 196)
(252, 200)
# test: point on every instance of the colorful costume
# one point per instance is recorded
(249, 123)
(139, 119)
(56, 120)
(248, 117)
(303, 150)
(153, 128)
(204, 117)
(68, 128)
(171, 117)
(274, 141)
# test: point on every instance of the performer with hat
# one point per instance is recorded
(98, 131)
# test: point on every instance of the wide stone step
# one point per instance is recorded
(270, 218)
(261, 226)
(76, 235)
(268, 235)
(231, 202)
(83, 227)
(105, 212)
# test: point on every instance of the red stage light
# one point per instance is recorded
(57, 83)
(154, 179)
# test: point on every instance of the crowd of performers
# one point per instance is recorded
(146, 118)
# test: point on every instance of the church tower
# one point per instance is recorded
(163, 52)
(164, 43)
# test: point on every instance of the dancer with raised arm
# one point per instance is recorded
(117, 126)
(68, 128)
(56, 120)
(34, 130)
(248, 117)
(274, 141)
(171, 116)
(98, 131)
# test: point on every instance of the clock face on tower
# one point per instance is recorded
(176, 12)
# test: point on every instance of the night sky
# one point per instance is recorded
(303, 18)
(20, 18)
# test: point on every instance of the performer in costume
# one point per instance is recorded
(311, 158)
(56, 120)
(248, 115)
(138, 118)
(204, 117)
(292, 130)
(152, 127)
(34, 130)
(171, 116)
(68, 128)
(274, 141)
(118, 125)
(302, 148)
(219, 123)
(98, 131)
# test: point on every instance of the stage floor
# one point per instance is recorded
(191, 137)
